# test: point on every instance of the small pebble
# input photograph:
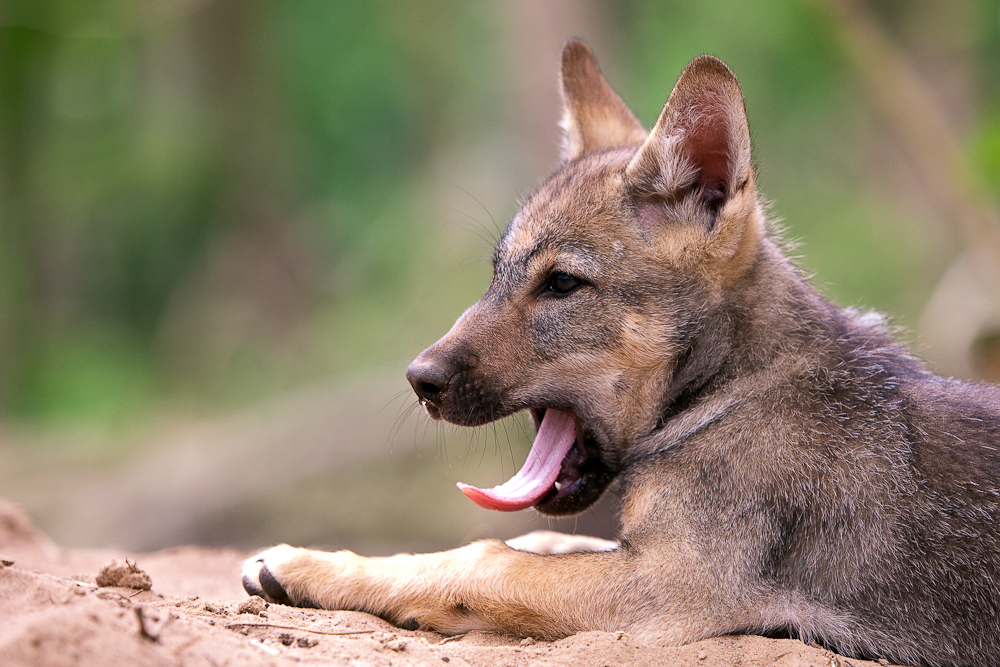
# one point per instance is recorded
(124, 575)
(252, 605)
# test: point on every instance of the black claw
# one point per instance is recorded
(252, 587)
(270, 586)
(410, 624)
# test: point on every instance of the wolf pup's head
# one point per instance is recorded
(608, 286)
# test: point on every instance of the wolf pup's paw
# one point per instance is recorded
(547, 542)
(262, 575)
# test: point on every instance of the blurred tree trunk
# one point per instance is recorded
(253, 283)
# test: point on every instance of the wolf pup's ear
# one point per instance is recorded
(594, 117)
(697, 157)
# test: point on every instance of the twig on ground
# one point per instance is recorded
(231, 626)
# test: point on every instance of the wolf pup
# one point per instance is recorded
(783, 466)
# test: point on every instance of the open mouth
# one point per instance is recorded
(556, 474)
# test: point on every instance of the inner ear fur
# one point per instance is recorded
(699, 146)
(594, 117)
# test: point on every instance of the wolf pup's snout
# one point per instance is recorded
(429, 379)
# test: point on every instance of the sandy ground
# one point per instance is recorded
(53, 613)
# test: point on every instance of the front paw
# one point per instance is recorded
(263, 576)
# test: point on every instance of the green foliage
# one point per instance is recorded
(99, 375)
(986, 151)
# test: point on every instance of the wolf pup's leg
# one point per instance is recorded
(485, 585)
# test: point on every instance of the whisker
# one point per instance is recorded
(482, 206)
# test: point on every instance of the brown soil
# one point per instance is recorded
(53, 613)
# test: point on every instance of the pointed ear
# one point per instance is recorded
(594, 117)
(700, 146)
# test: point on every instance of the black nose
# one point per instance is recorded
(429, 380)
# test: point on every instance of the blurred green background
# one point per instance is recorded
(226, 226)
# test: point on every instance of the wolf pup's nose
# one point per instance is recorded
(429, 380)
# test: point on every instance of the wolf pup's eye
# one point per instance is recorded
(561, 283)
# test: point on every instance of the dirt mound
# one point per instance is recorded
(17, 531)
(53, 613)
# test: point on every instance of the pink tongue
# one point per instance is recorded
(555, 436)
